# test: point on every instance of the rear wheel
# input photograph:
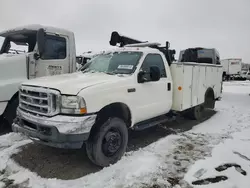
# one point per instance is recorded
(209, 100)
(195, 113)
(108, 143)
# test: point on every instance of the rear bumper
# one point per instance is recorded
(59, 131)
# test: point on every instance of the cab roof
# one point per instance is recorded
(134, 49)
(34, 27)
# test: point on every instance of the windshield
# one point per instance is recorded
(17, 43)
(114, 63)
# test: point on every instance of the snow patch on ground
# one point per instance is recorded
(231, 151)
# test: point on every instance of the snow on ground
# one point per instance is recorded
(173, 161)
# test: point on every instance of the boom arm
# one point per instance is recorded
(116, 38)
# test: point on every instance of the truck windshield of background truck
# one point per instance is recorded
(17, 43)
(113, 63)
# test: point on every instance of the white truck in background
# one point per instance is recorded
(136, 86)
(81, 60)
(49, 51)
(231, 68)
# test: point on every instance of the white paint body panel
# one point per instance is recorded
(194, 79)
(231, 66)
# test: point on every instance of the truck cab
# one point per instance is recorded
(29, 52)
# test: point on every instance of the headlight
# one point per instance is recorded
(73, 105)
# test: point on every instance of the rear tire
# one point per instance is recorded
(108, 143)
(209, 100)
(196, 113)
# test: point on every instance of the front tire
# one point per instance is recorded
(108, 143)
(10, 112)
(2, 124)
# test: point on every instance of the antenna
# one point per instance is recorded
(116, 38)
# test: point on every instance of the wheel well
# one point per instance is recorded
(119, 110)
(209, 98)
(12, 98)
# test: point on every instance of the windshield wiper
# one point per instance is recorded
(114, 72)
(111, 73)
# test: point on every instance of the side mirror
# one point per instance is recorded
(36, 56)
(141, 77)
(41, 40)
(155, 73)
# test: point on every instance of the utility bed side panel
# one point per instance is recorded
(186, 88)
(194, 79)
(196, 84)
(215, 73)
(177, 81)
(203, 79)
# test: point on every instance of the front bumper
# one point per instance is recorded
(59, 131)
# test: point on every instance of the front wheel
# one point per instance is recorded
(2, 124)
(109, 142)
(10, 113)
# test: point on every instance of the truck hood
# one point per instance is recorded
(73, 83)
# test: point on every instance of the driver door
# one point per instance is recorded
(55, 58)
(153, 98)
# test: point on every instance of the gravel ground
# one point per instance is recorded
(63, 164)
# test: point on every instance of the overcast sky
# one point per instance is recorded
(222, 24)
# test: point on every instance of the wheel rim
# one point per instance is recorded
(112, 142)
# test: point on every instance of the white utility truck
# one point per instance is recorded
(48, 51)
(134, 86)
(231, 68)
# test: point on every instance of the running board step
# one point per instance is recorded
(151, 122)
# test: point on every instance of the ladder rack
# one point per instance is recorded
(125, 41)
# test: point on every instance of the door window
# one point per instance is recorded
(153, 60)
(55, 48)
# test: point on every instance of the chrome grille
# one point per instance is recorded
(39, 101)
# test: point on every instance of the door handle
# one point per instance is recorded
(169, 86)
